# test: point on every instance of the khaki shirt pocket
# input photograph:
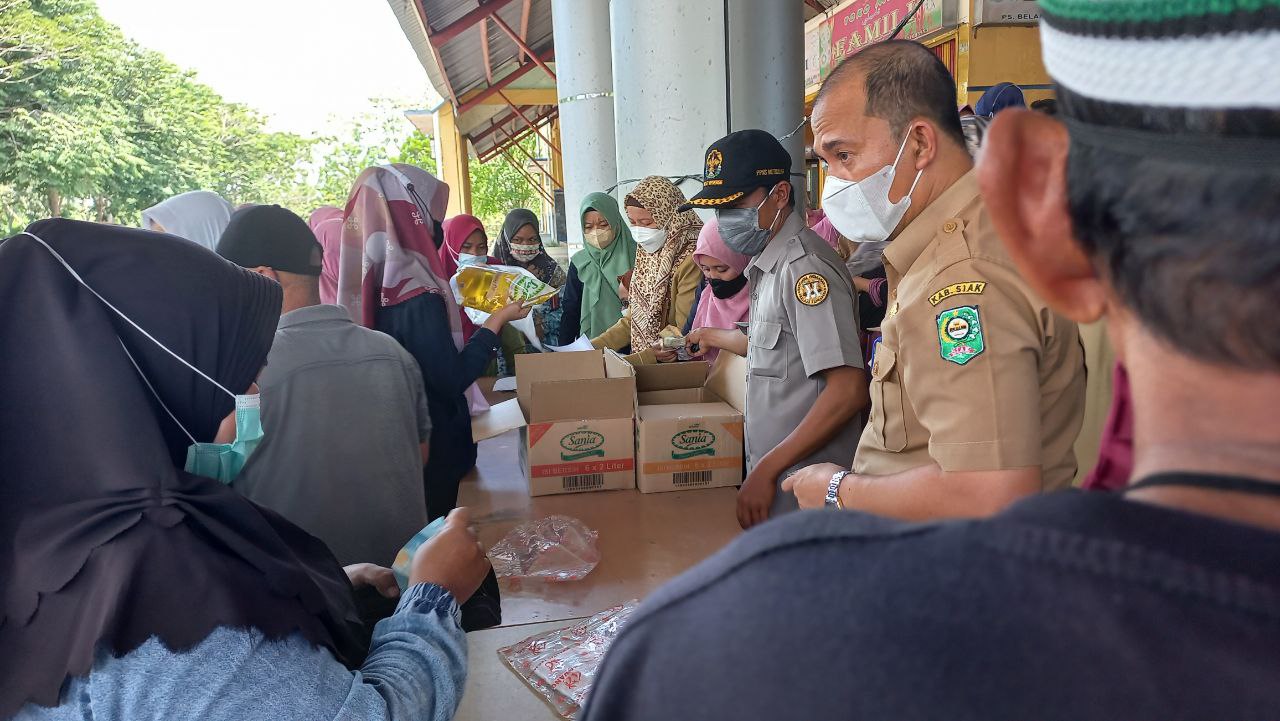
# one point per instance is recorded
(887, 420)
(768, 356)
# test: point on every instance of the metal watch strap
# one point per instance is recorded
(833, 489)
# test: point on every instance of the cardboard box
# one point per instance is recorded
(689, 428)
(576, 415)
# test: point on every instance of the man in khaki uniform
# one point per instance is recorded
(977, 389)
(804, 384)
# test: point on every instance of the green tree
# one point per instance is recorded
(377, 136)
(497, 187)
(62, 135)
(93, 126)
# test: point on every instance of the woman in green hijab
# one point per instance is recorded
(591, 301)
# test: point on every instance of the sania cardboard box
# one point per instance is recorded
(575, 412)
(690, 424)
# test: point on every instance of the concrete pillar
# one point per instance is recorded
(584, 84)
(766, 73)
(687, 73)
(452, 161)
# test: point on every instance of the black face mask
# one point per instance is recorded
(723, 289)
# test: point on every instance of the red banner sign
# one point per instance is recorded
(867, 22)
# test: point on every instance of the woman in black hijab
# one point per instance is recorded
(121, 574)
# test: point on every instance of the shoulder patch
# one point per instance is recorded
(812, 289)
(960, 338)
(969, 287)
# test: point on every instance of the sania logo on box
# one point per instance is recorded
(581, 444)
(693, 442)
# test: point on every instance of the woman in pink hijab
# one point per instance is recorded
(465, 243)
(391, 278)
(326, 223)
(725, 299)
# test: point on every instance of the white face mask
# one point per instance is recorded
(465, 259)
(651, 239)
(861, 210)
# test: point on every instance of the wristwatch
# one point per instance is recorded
(833, 490)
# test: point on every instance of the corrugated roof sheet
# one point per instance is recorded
(461, 66)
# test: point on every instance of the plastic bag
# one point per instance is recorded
(525, 325)
(555, 548)
(561, 665)
(489, 287)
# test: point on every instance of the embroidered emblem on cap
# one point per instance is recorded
(715, 162)
(811, 289)
(960, 337)
(969, 287)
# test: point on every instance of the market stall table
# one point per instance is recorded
(645, 540)
(493, 690)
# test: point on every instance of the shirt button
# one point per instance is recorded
(950, 226)
(753, 296)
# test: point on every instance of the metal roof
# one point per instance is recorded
(471, 60)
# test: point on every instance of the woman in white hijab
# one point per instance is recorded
(200, 216)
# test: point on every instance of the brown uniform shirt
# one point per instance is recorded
(974, 372)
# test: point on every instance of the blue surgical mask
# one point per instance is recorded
(740, 228)
(219, 461)
(465, 259)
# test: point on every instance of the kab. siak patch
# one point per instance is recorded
(960, 334)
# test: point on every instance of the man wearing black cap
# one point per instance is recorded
(344, 412)
(805, 384)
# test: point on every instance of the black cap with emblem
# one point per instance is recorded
(737, 164)
(271, 236)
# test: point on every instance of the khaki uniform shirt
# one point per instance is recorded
(803, 321)
(974, 372)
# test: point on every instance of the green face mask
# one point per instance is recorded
(219, 461)
(224, 461)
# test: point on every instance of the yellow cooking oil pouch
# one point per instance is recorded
(488, 288)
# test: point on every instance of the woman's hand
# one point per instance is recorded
(453, 559)
(368, 574)
(515, 310)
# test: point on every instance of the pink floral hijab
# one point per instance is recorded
(388, 252)
(326, 223)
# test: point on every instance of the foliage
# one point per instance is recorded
(497, 187)
(95, 127)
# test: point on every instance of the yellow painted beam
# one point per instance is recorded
(519, 96)
(557, 161)
(453, 162)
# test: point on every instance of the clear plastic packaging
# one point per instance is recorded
(489, 287)
(562, 665)
(555, 548)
